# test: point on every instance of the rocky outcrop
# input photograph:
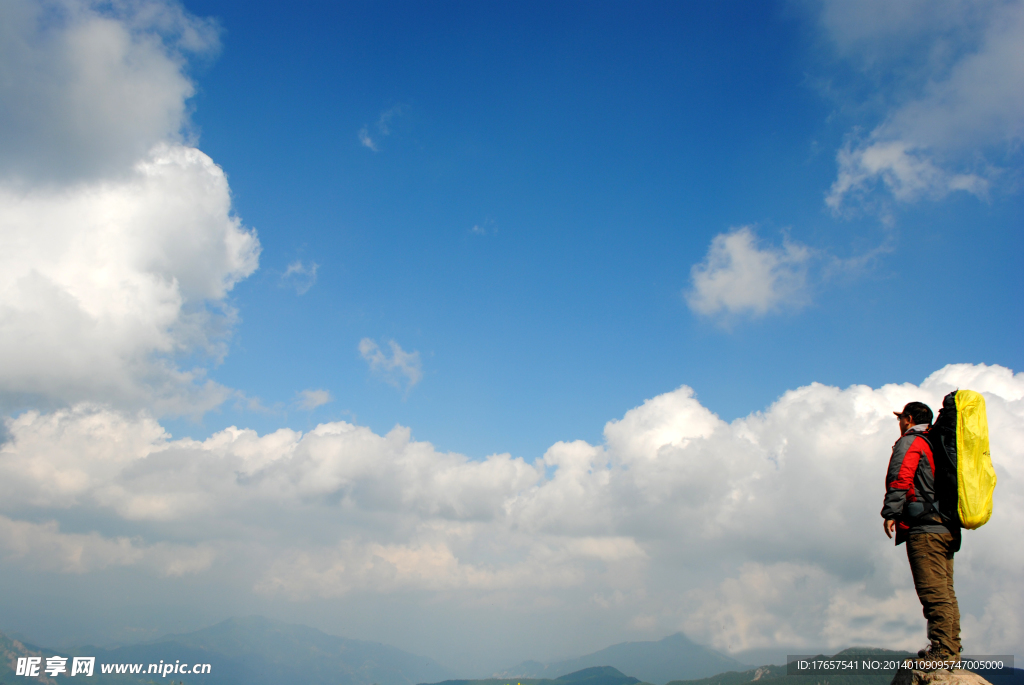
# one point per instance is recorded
(906, 676)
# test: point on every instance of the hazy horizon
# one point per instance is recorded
(750, 657)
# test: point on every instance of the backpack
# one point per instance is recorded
(964, 477)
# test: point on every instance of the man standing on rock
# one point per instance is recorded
(911, 510)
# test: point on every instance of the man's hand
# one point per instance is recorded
(889, 526)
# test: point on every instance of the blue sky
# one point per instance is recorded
(511, 330)
(597, 148)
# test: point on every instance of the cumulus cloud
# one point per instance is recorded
(43, 547)
(114, 233)
(953, 75)
(756, 533)
(400, 369)
(311, 399)
(88, 89)
(740, 276)
(133, 271)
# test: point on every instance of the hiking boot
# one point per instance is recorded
(935, 659)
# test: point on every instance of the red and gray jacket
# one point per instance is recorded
(910, 486)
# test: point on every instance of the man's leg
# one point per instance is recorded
(954, 606)
(931, 564)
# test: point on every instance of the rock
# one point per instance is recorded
(906, 676)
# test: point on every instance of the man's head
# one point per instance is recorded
(913, 414)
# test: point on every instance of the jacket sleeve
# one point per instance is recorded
(899, 479)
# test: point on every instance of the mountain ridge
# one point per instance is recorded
(255, 650)
(672, 658)
(596, 675)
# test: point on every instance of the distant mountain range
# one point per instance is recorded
(260, 651)
(778, 674)
(598, 675)
(674, 658)
(249, 651)
(11, 650)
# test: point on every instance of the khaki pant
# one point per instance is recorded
(931, 562)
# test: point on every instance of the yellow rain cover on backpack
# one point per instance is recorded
(976, 479)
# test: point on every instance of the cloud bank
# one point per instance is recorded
(760, 532)
(114, 233)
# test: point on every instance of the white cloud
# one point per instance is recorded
(300, 276)
(907, 174)
(738, 276)
(759, 532)
(311, 399)
(485, 227)
(366, 140)
(134, 271)
(113, 233)
(87, 91)
(957, 103)
(383, 127)
(386, 568)
(41, 546)
(401, 368)
(384, 121)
